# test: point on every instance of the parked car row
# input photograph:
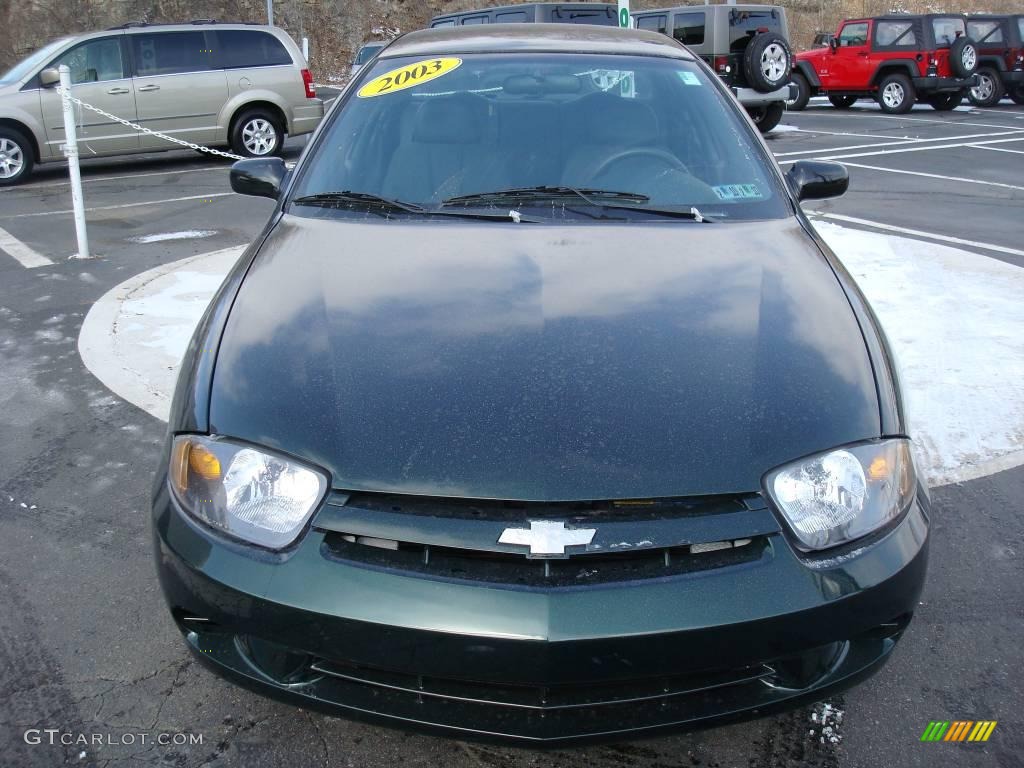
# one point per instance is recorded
(902, 59)
(247, 86)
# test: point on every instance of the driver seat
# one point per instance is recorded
(614, 124)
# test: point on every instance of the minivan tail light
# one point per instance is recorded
(307, 80)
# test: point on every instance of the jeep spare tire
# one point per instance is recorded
(767, 62)
(963, 57)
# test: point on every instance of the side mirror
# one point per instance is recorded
(817, 179)
(259, 177)
(49, 77)
(833, 43)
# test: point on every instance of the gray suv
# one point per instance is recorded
(240, 85)
(747, 45)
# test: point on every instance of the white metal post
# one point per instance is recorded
(71, 153)
(270, 12)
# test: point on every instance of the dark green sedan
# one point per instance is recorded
(538, 412)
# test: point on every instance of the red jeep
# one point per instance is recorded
(1000, 58)
(894, 59)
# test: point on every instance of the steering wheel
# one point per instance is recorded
(668, 158)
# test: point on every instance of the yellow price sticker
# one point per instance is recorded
(408, 76)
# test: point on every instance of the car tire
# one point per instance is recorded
(803, 94)
(257, 133)
(16, 157)
(989, 90)
(946, 102)
(896, 94)
(767, 62)
(842, 102)
(767, 116)
(963, 57)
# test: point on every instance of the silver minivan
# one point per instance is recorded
(240, 85)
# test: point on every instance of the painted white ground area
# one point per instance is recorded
(955, 321)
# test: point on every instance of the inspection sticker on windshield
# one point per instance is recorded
(408, 76)
(738, 192)
(689, 78)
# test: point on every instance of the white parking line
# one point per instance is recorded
(121, 205)
(27, 257)
(88, 179)
(930, 175)
(916, 233)
(883, 116)
(897, 143)
(997, 149)
(827, 154)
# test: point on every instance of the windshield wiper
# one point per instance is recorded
(603, 198)
(385, 204)
(545, 192)
(675, 213)
(328, 199)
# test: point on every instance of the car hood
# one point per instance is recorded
(543, 362)
(814, 54)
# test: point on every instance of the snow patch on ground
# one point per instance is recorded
(188, 234)
(825, 722)
(955, 321)
(784, 128)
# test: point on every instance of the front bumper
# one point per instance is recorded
(543, 667)
(929, 85)
(748, 97)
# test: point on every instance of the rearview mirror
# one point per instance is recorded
(49, 77)
(817, 179)
(259, 177)
(833, 43)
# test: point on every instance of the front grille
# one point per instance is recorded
(516, 511)
(499, 568)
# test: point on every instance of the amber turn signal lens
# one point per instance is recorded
(179, 465)
(202, 461)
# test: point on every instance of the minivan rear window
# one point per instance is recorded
(168, 53)
(241, 48)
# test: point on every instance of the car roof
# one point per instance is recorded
(535, 38)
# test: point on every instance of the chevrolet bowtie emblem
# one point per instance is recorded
(546, 538)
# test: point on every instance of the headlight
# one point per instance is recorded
(244, 492)
(839, 496)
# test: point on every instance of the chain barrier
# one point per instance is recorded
(150, 131)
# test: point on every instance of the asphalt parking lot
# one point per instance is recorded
(87, 645)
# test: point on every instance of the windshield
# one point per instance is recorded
(26, 66)
(425, 131)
